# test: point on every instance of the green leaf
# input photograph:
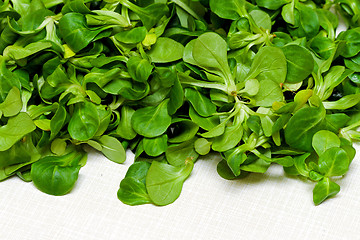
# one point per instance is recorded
(224, 170)
(261, 19)
(334, 162)
(139, 69)
(12, 103)
(75, 6)
(324, 189)
(345, 102)
(151, 121)
(132, 189)
(229, 139)
(209, 52)
(166, 50)
(8, 80)
(112, 149)
(15, 129)
(323, 140)
(288, 13)
(269, 92)
(164, 182)
(125, 129)
(302, 126)
(235, 158)
(58, 146)
(202, 146)
(202, 105)
(300, 165)
(57, 175)
(177, 154)
(183, 130)
(207, 123)
(155, 146)
(176, 97)
(352, 40)
(257, 166)
(84, 122)
(131, 36)
(270, 4)
(298, 68)
(149, 15)
(18, 52)
(229, 9)
(18, 155)
(269, 64)
(254, 123)
(133, 192)
(75, 32)
(58, 121)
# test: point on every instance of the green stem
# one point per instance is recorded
(185, 79)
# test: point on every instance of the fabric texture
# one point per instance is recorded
(260, 206)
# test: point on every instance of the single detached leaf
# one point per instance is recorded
(324, 189)
(164, 182)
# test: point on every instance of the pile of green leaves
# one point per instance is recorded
(260, 82)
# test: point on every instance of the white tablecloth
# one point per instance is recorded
(268, 206)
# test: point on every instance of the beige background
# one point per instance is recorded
(268, 206)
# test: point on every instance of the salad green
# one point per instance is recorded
(260, 82)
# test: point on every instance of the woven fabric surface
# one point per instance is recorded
(267, 206)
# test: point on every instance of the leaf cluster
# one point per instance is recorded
(260, 82)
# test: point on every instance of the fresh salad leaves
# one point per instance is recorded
(260, 82)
